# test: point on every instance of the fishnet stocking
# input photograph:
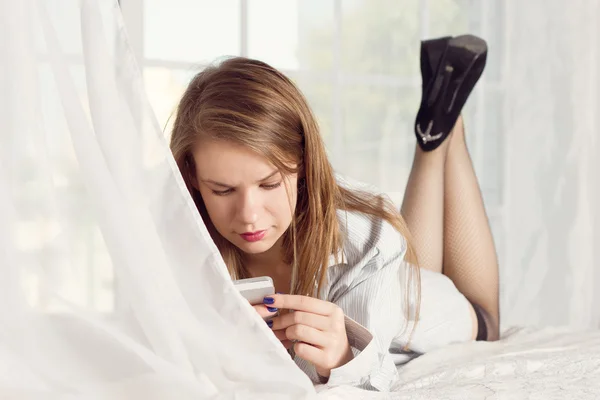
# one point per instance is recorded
(445, 214)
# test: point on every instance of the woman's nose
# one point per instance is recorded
(248, 209)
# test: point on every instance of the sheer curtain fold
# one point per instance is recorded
(111, 285)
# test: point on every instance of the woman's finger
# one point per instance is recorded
(316, 321)
(264, 312)
(280, 334)
(308, 334)
(310, 353)
(301, 303)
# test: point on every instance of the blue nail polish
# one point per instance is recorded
(268, 300)
(272, 309)
(270, 323)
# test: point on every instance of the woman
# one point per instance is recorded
(250, 151)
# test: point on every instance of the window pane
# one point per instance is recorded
(453, 17)
(291, 34)
(164, 87)
(273, 32)
(319, 95)
(378, 137)
(316, 34)
(196, 31)
(380, 37)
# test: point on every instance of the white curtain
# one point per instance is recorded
(551, 259)
(89, 193)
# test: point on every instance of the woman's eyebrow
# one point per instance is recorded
(215, 183)
(272, 174)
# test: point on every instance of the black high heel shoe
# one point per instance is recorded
(450, 68)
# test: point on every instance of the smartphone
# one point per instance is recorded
(255, 289)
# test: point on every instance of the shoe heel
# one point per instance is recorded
(450, 69)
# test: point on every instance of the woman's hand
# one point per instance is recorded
(266, 312)
(316, 329)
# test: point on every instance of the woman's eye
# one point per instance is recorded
(222, 192)
(272, 186)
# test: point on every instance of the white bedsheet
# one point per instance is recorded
(552, 363)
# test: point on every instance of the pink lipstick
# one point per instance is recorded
(253, 236)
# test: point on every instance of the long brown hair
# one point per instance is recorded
(250, 103)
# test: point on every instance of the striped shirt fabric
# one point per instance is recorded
(370, 285)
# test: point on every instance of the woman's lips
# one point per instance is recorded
(253, 236)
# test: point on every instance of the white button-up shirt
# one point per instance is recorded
(370, 286)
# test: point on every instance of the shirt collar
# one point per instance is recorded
(341, 257)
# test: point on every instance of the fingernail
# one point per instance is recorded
(272, 309)
(270, 323)
(278, 293)
(268, 300)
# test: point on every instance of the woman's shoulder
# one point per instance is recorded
(363, 232)
(369, 236)
(371, 246)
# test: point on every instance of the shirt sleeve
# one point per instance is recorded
(373, 295)
(373, 318)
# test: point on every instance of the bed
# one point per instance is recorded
(528, 363)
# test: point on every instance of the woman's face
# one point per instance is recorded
(244, 194)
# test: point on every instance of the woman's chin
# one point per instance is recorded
(254, 247)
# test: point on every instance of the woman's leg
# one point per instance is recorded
(423, 206)
(442, 204)
(469, 252)
(444, 212)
